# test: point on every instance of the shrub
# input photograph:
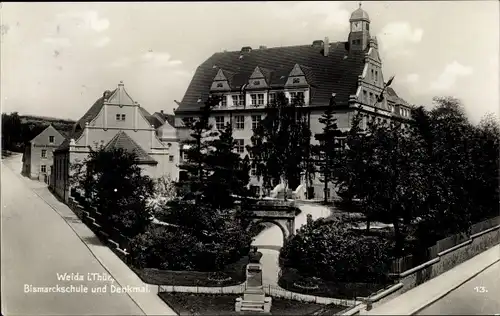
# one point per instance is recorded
(330, 251)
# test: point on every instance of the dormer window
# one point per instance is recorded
(257, 99)
(296, 80)
(223, 101)
(272, 98)
(295, 95)
(219, 85)
(238, 100)
(256, 83)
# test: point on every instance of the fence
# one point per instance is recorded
(97, 222)
(410, 261)
(270, 290)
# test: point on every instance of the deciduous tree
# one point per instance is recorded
(280, 143)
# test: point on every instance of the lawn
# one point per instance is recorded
(223, 304)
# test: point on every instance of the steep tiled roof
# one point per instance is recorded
(393, 96)
(337, 73)
(94, 110)
(123, 141)
(166, 118)
(117, 96)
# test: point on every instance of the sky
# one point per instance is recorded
(58, 58)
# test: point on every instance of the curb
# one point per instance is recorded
(437, 298)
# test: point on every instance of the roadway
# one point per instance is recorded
(37, 246)
(478, 296)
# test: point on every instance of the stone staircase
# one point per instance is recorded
(252, 306)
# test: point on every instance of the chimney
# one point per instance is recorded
(326, 47)
(161, 111)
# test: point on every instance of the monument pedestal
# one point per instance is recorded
(254, 298)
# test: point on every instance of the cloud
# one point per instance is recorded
(159, 59)
(86, 19)
(183, 73)
(396, 37)
(328, 14)
(412, 78)
(57, 41)
(449, 76)
(155, 59)
(102, 42)
(122, 62)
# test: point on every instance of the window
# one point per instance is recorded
(296, 80)
(184, 155)
(367, 26)
(364, 96)
(43, 168)
(327, 193)
(187, 120)
(240, 121)
(223, 102)
(51, 139)
(260, 99)
(353, 42)
(376, 75)
(256, 83)
(171, 158)
(255, 190)
(238, 100)
(219, 122)
(123, 117)
(272, 98)
(219, 85)
(240, 146)
(44, 153)
(372, 74)
(257, 99)
(254, 99)
(371, 98)
(256, 120)
(253, 171)
(120, 117)
(295, 95)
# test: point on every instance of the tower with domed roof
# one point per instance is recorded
(359, 36)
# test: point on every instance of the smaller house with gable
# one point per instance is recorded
(115, 120)
(38, 154)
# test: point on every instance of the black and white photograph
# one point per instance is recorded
(250, 158)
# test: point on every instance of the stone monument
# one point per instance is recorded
(254, 299)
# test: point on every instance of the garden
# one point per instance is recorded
(194, 233)
(433, 183)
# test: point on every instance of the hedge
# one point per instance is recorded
(233, 274)
(292, 281)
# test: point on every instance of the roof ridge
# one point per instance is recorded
(275, 47)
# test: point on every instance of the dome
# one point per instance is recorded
(359, 14)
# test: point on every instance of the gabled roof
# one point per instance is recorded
(166, 118)
(394, 97)
(50, 126)
(117, 96)
(336, 73)
(94, 109)
(122, 141)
